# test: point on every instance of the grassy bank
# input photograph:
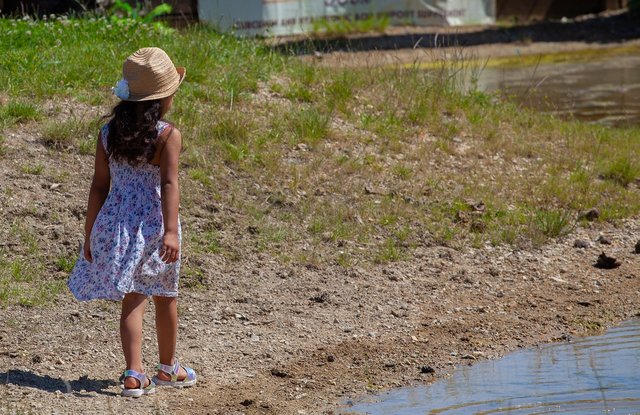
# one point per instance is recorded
(306, 164)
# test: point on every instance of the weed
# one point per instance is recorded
(389, 251)
(34, 170)
(622, 171)
(552, 223)
(3, 147)
(341, 26)
(403, 172)
(201, 175)
(65, 263)
(309, 125)
(16, 112)
(22, 282)
(65, 134)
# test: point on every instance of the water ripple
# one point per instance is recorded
(594, 375)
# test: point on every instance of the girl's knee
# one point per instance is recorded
(164, 301)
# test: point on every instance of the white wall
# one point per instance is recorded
(283, 17)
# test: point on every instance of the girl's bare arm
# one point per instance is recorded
(170, 193)
(97, 194)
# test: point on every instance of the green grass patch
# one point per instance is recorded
(16, 112)
(4, 150)
(339, 27)
(32, 169)
(323, 165)
(23, 282)
(69, 133)
(622, 171)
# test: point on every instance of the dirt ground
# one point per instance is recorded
(279, 339)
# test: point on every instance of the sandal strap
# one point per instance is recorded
(141, 377)
(171, 370)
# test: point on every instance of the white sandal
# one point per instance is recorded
(173, 370)
(140, 390)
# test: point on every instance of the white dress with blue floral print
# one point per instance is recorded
(126, 238)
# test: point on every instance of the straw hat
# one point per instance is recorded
(148, 74)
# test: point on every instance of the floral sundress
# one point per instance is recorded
(126, 238)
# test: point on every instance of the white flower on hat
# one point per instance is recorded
(121, 90)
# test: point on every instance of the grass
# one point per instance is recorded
(3, 146)
(17, 112)
(342, 26)
(70, 133)
(310, 164)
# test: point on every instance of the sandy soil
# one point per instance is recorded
(274, 339)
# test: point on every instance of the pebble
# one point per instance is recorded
(580, 243)
(427, 369)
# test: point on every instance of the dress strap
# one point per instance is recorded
(161, 126)
(104, 132)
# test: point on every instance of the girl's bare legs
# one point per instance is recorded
(133, 306)
(167, 332)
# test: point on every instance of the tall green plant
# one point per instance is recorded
(138, 12)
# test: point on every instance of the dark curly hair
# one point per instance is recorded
(132, 131)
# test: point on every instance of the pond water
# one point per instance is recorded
(589, 376)
(606, 91)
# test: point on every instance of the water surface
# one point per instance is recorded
(605, 91)
(592, 375)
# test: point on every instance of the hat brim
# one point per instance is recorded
(182, 72)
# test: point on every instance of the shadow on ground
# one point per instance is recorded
(79, 387)
(600, 29)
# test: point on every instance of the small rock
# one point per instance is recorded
(390, 365)
(427, 369)
(331, 358)
(320, 298)
(398, 313)
(638, 247)
(591, 214)
(279, 373)
(603, 240)
(60, 362)
(36, 359)
(247, 402)
(477, 206)
(606, 262)
(580, 243)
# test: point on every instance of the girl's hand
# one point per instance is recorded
(86, 250)
(170, 251)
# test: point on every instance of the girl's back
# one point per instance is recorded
(127, 235)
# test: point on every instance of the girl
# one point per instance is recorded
(132, 231)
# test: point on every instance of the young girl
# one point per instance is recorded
(132, 231)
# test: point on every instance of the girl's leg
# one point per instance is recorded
(133, 306)
(167, 332)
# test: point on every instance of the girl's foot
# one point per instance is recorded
(136, 384)
(175, 375)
